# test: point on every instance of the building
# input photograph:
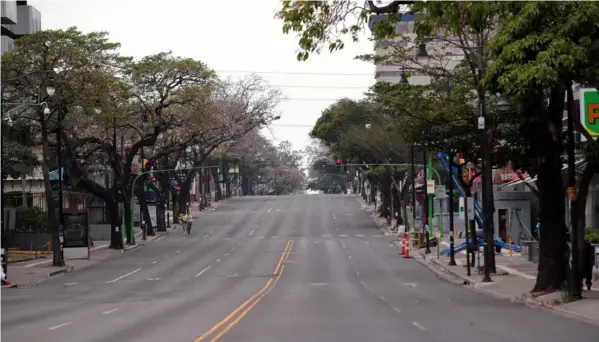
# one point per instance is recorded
(432, 54)
(18, 19)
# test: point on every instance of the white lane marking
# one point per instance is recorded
(217, 260)
(177, 252)
(349, 256)
(342, 235)
(359, 235)
(343, 244)
(123, 276)
(273, 237)
(269, 210)
(60, 325)
(153, 262)
(157, 278)
(202, 271)
(233, 248)
(70, 284)
(334, 218)
(396, 310)
(207, 235)
(212, 231)
(365, 286)
(109, 311)
(326, 235)
(367, 242)
(419, 326)
(337, 229)
(358, 274)
(382, 298)
(226, 238)
(260, 237)
(377, 235)
(226, 254)
(410, 284)
(252, 232)
(319, 284)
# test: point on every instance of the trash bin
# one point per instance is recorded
(532, 249)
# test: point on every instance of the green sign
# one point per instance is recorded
(589, 110)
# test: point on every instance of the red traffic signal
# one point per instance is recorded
(338, 161)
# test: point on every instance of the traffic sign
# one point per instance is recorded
(470, 203)
(440, 192)
(589, 110)
(430, 187)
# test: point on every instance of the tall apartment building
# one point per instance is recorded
(18, 19)
(438, 54)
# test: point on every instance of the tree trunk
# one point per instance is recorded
(553, 254)
(580, 208)
(116, 236)
(57, 255)
(183, 197)
(128, 216)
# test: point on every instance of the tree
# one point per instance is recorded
(69, 58)
(538, 53)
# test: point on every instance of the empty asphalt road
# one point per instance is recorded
(265, 269)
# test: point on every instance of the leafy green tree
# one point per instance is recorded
(538, 53)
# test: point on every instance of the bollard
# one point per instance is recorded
(509, 242)
(407, 251)
(403, 244)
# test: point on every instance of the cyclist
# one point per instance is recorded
(188, 221)
(182, 220)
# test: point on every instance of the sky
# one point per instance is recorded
(233, 37)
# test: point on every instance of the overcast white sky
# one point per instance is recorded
(235, 35)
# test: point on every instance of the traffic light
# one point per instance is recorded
(461, 160)
(338, 163)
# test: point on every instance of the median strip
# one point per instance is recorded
(236, 315)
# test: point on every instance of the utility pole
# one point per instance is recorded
(425, 204)
(575, 288)
(487, 180)
(413, 191)
(116, 238)
(451, 227)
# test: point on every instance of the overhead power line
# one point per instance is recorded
(292, 73)
(290, 125)
(309, 99)
(319, 86)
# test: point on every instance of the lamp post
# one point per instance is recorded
(116, 237)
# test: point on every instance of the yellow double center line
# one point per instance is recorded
(248, 304)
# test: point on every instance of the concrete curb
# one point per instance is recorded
(131, 248)
(159, 237)
(64, 270)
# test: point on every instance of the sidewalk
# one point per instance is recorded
(514, 279)
(31, 272)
